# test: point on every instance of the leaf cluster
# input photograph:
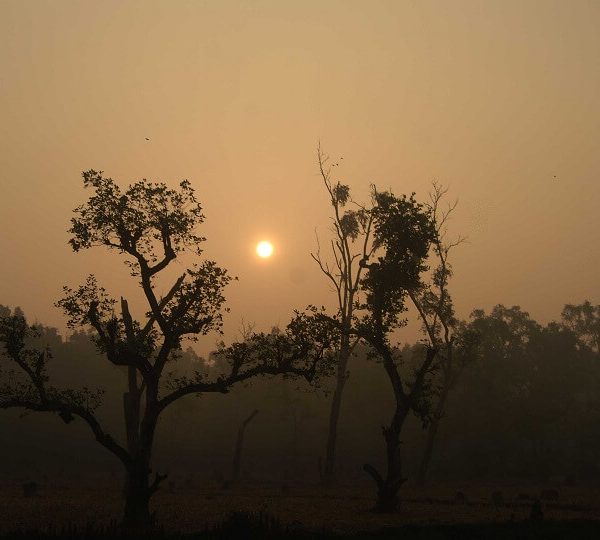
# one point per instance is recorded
(403, 233)
(136, 221)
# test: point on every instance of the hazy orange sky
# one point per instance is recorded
(492, 98)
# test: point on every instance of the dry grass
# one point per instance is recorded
(342, 509)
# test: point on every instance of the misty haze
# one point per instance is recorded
(300, 269)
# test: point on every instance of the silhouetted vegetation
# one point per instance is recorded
(351, 245)
(496, 399)
(150, 225)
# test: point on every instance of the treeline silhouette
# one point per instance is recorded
(527, 407)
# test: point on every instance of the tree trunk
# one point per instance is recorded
(388, 500)
(237, 456)
(131, 406)
(328, 474)
(431, 437)
(137, 498)
(131, 410)
(139, 490)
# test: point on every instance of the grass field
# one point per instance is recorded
(343, 510)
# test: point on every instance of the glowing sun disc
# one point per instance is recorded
(264, 249)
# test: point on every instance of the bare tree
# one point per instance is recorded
(239, 444)
(349, 245)
(150, 224)
(454, 341)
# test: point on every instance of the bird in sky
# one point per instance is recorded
(147, 139)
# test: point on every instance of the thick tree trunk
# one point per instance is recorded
(131, 406)
(237, 456)
(431, 437)
(388, 499)
(137, 498)
(328, 476)
(131, 411)
(139, 490)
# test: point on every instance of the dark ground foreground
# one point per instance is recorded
(244, 526)
(90, 509)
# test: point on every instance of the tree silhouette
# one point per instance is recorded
(524, 397)
(403, 234)
(239, 444)
(150, 224)
(349, 246)
(584, 321)
(455, 341)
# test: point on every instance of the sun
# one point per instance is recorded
(264, 249)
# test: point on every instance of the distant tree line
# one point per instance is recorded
(527, 409)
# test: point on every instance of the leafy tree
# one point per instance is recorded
(584, 320)
(350, 244)
(496, 389)
(150, 224)
(403, 235)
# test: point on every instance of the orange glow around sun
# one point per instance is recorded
(264, 249)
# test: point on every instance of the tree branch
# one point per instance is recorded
(66, 409)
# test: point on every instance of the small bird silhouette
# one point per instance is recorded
(147, 139)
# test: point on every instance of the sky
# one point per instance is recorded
(498, 100)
